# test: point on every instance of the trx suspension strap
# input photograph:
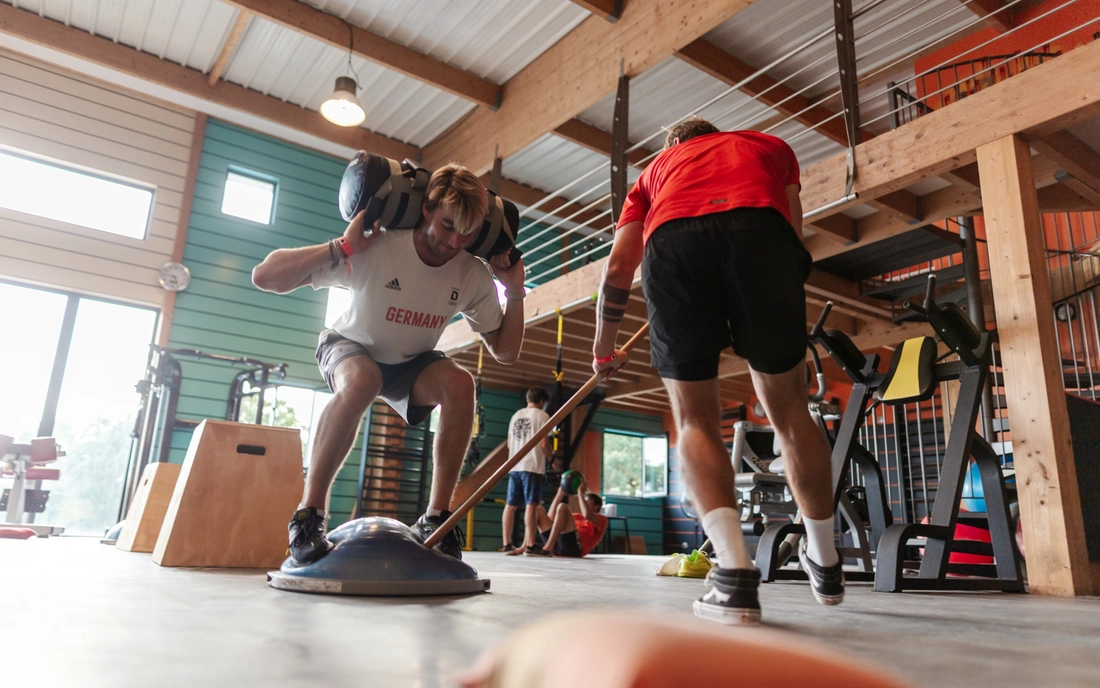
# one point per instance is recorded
(558, 377)
(473, 452)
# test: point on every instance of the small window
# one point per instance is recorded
(249, 195)
(69, 195)
(635, 465)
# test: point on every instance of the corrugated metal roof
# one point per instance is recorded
(491, 38)
(552, 162)
(673, 89)
(769, 29)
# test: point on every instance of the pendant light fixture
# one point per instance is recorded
(342, 108)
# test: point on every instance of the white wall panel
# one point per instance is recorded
(50, 113)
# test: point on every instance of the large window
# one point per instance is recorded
(249, 195)
(635, 465)
(69, 195)
(74, 380)
(289, 407)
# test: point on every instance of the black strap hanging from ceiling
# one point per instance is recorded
(849, 86)
(619, 143)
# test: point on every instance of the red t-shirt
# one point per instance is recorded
(711, 174)
(589, 533)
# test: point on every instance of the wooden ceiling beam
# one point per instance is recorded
(102, 51)
(709, 58)
(939, 205)
(1080, 163)
(230, 46)
(609, 10)
(599, 141)
(560, 208)
(574, 74)
(997, 18)
(337, 32)
(1037, 102)
(902, 204)
(836, 228)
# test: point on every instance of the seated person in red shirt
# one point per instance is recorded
(566, 534)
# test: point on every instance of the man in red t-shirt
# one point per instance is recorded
(566, 534)
(715, 221)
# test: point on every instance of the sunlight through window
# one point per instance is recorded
(79, 198)
(250, 197)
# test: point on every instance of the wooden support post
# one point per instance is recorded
(1050, 505)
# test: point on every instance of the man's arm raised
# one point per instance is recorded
(505, 342)
(286, 269)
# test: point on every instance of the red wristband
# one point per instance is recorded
(603, 361)
(344, 247)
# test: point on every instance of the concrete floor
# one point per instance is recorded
(77, 613)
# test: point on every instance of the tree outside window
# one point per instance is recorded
(635, 465)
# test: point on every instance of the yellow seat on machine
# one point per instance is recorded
(237, 489)
(911, 377)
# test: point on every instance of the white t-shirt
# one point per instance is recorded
(400, 306)
(525, 423)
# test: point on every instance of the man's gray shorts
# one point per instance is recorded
(397, 380)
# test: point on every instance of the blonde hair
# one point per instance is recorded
(459, 191)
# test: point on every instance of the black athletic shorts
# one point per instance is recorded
(735, 277)
(567, 545)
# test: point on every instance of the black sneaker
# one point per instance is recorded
(307, 536)
(507, 549)
(452, 542)
(536, 551)
(827, 582)
(732, 597)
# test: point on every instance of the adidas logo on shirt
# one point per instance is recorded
(394, 284)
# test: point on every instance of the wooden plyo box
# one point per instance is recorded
(238, 489)
(146, 513)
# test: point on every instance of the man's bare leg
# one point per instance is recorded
(530, 521)
(806, 457)
(450, 387)
(357, 381)
(707, 469)
(563, 522)
(508, 523)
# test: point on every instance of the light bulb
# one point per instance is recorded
(342, 107)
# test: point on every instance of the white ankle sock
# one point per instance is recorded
(820, 543)
(723, 527)
(432, 512)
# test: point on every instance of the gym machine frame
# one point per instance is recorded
(160, 388)
(974, 350)
(771, 554)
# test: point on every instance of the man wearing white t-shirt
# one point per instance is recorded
(526, 477)
(405, 286)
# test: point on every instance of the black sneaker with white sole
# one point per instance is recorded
(732, 598)
(307, 536)
(827, 582)
(452, 542)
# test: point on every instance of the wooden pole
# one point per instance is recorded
(1050, 505)
(562, 412)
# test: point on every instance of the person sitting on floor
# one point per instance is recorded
(566, 534)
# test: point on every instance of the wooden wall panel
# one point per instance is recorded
(48, 113)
